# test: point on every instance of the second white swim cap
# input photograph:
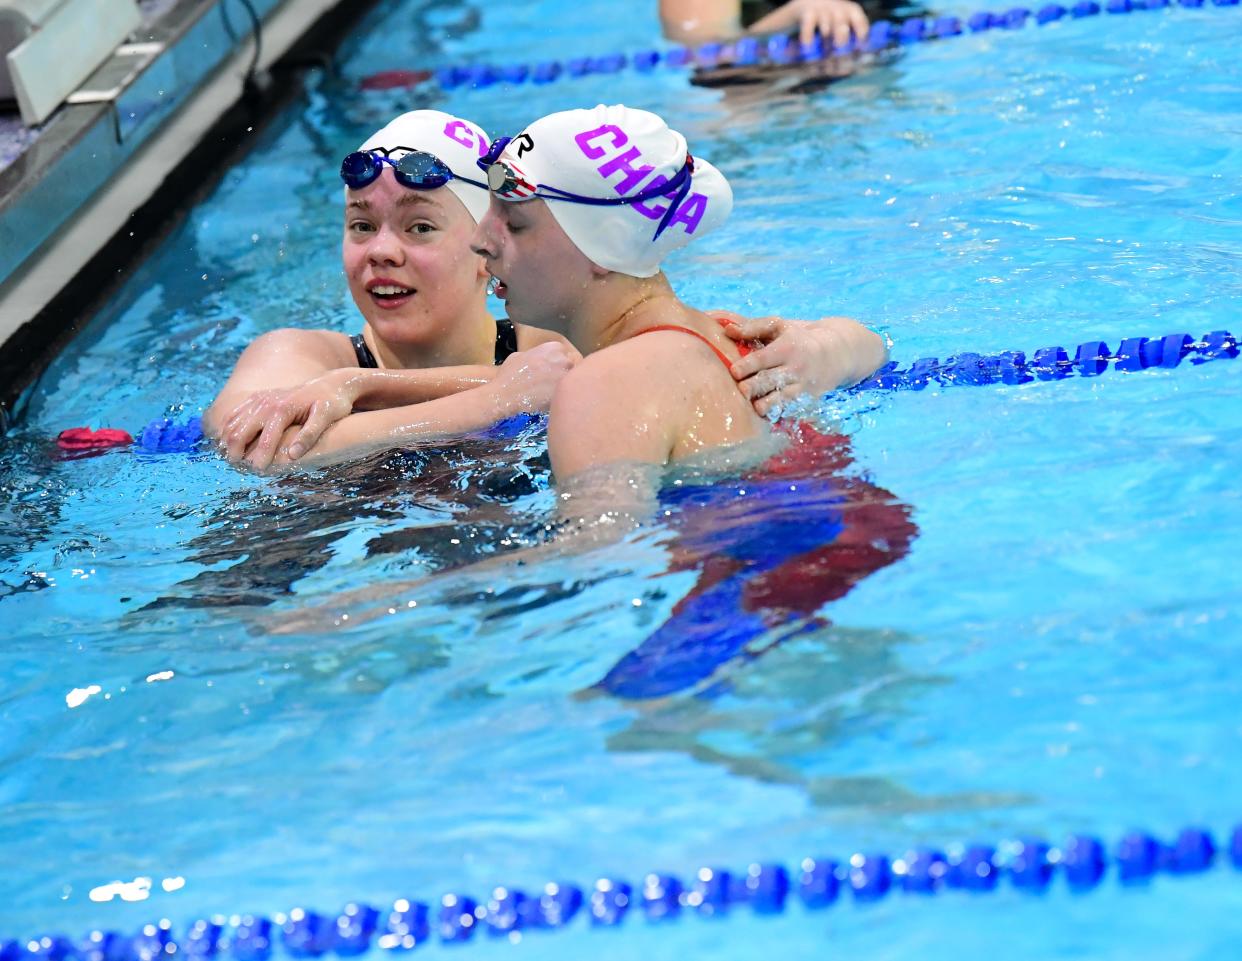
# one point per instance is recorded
(612, 152)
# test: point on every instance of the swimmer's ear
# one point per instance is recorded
(599, 272)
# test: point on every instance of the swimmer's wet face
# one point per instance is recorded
(540, 274)
(408, 261)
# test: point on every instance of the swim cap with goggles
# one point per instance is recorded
(626, 190)
(426, 149)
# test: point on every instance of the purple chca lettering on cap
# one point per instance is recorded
(633, 175)
(459, 132)
(584, 140)
(690, 213)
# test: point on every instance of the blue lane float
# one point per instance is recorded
(165, 436)
(1090, 359)
(1027, 865)
(783, 51)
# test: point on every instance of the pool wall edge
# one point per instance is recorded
(184, 154)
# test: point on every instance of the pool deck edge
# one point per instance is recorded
(43, 298)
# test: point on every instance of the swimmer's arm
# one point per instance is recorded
(366, 432)
(329, 431)
(277, 359)
(259, 423)
(378, 389)
(834, 20)
(695, 21)
(801, 357)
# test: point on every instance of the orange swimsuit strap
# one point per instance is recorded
(742, 349)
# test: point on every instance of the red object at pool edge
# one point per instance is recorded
(83, 438)
(390, 79)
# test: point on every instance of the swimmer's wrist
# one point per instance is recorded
(353, 386)
(501, 403)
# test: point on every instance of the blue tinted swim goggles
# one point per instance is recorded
(416, 169)
(503, 181)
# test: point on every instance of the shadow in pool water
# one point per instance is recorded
(747, 673)
(770, 550)
(781, 719)
(257, 549)
(31, 505)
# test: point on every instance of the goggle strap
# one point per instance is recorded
(687, 176)
(672, 209)
(679, 184)
(493, 152)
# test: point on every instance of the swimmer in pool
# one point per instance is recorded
(430, 360)
(694, 21)
(585, 205)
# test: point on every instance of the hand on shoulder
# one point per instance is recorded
(528, 378)
(790, 358)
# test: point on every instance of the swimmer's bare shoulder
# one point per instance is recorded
(650, 399)
(286, 357)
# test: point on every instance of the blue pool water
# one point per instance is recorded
(1053, 653)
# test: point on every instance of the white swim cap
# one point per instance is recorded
(613, 152)
(458, 143)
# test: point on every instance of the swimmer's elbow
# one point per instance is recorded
(695, 21)
(878, 346)
(867, 349)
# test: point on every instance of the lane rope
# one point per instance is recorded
(1028, 865)
(783, 51)
(1090, 359)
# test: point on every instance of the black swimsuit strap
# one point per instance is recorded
(506, 339)
(506, 344)
(363, 352)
